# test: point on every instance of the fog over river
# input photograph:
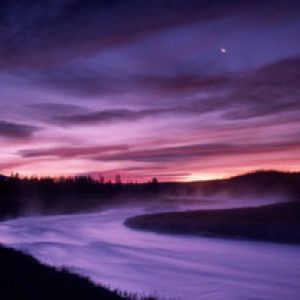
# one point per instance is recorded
(188, 268)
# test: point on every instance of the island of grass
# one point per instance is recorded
(22, 277)
(273, 223)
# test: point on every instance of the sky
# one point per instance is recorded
(180, 90)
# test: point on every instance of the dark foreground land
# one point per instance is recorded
(274, 223)
(23, 277)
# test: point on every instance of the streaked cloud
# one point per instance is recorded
(199, 152)
(16, 130)
(71, 152)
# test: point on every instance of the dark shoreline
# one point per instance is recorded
(279, 223)
(23, 277)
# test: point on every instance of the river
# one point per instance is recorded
(188, 268)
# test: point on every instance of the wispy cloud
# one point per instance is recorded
(107, 116)
(71, 152)
(16, 130)
(198, 152)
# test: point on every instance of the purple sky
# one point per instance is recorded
(177, 89)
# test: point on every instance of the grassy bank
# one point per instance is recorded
(23, 277)
(275, 223)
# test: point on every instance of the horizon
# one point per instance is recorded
(99, 178)
(178, 90)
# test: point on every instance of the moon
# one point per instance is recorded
(223, 50)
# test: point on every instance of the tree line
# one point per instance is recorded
(19, 195)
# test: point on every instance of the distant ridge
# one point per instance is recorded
(262, 182)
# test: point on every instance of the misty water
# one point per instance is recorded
(99, 246)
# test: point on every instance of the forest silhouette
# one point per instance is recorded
(22, 195)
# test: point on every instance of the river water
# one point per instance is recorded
(177, 267)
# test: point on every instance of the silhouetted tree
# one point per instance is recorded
(118, 179)
(154, 181)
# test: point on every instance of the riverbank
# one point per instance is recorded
(273, 223)
(23, 277)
